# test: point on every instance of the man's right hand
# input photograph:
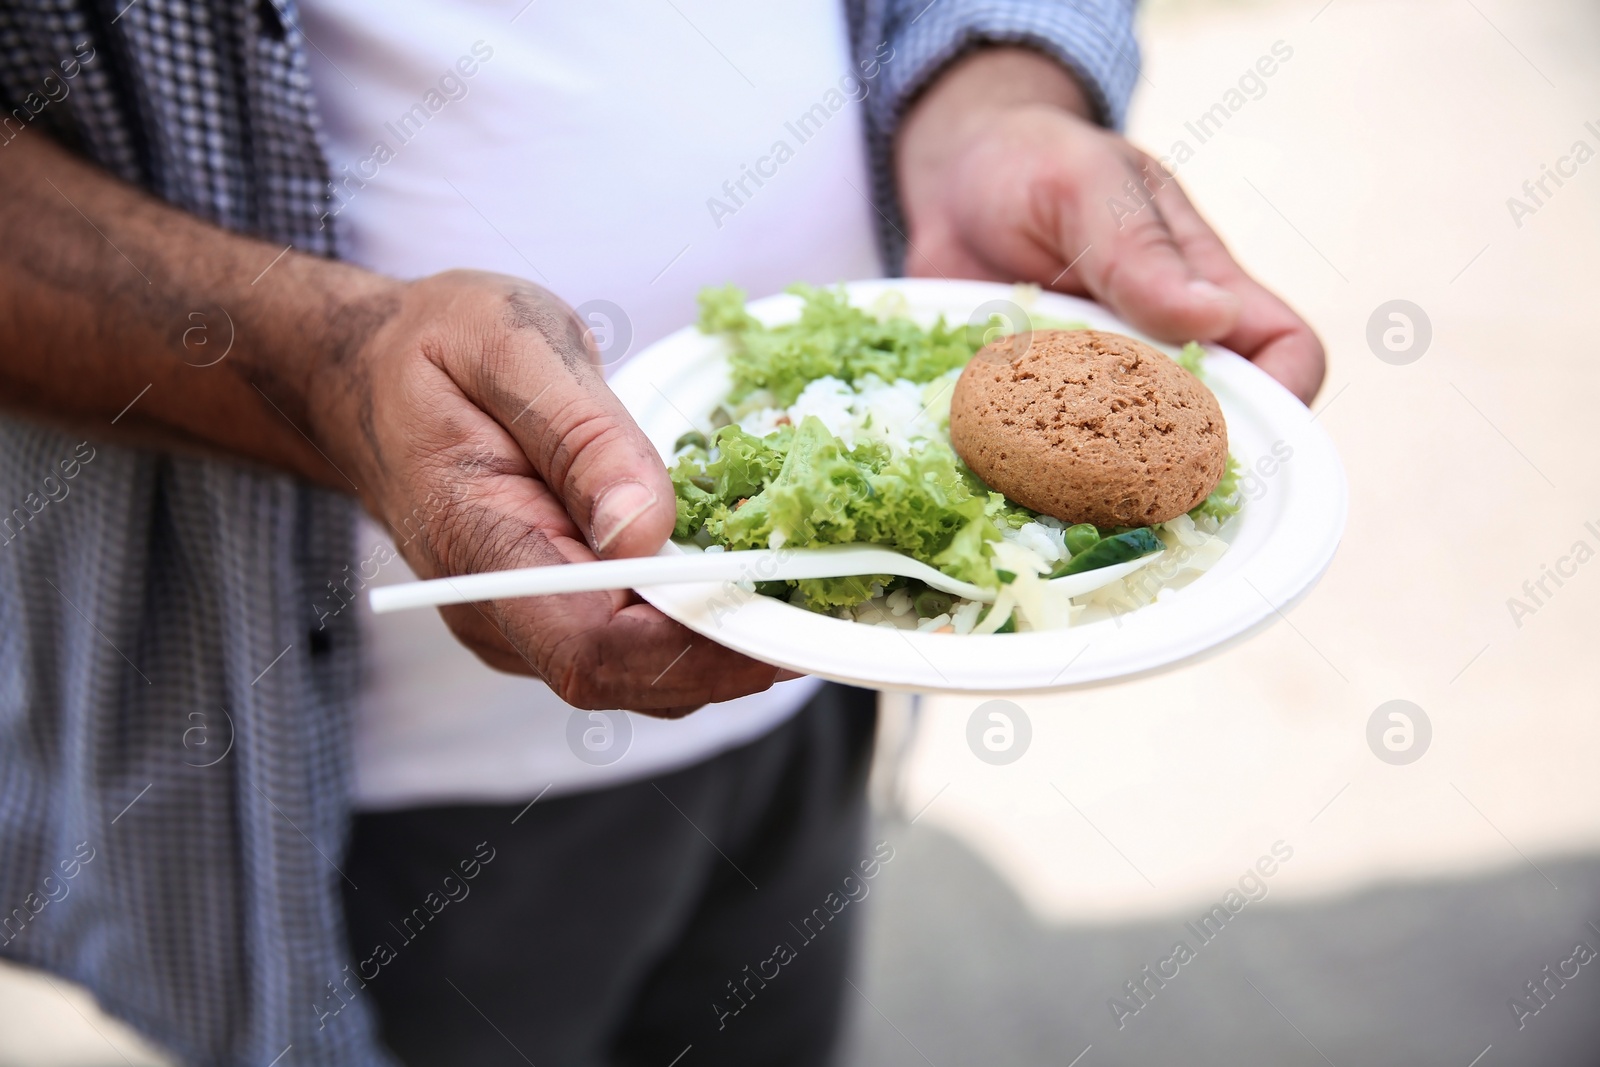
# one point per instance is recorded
(480, 430)
(464, 409)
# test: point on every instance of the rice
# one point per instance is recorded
(965, 617)
(896, 414)
(1046, 542)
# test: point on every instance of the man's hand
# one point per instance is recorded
(1003, 176)
(463, 409)
(479, 427)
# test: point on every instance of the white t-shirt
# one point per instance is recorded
(613, 152)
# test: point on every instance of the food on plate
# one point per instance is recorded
(1088, 427)
(836, 430)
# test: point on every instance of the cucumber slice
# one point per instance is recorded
(1081, 538)
(1118, 548)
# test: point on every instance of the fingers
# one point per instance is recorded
(643, 661)
(1050, 198)
(1157, 263)
(1268, 332)
(1131, 261)
(541, 384)
(595, 650)
(496, 445)
(1295, 358)
(637, 659)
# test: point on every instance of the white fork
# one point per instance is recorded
(674, 565)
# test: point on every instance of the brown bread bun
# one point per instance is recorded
(1088, 426)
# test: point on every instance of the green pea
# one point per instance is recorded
(931, 603)
(1081, 537)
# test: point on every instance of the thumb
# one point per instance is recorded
(551, 397)
(605, 470)
(1137, 269)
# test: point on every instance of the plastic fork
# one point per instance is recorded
(674, 566)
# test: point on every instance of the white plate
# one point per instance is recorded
(1282, 541)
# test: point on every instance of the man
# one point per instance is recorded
(207, 206)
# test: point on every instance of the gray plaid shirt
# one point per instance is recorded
(173, 725)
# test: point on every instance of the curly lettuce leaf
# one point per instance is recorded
(1192, 358)
(831, 338)
(1225, 500)
(810, 489)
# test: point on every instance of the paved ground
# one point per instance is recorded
(1374, 165)
(1413, 974)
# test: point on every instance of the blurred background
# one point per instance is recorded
(1417, 899)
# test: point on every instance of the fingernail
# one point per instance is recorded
(617, 509)
(1209, 291)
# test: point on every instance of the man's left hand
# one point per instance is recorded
(1003, 176)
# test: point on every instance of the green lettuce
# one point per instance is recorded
(816, 491)
(1225, 500)
(831, 338)
(801, 486)
(1192, 358)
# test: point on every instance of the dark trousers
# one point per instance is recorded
(625, 926)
